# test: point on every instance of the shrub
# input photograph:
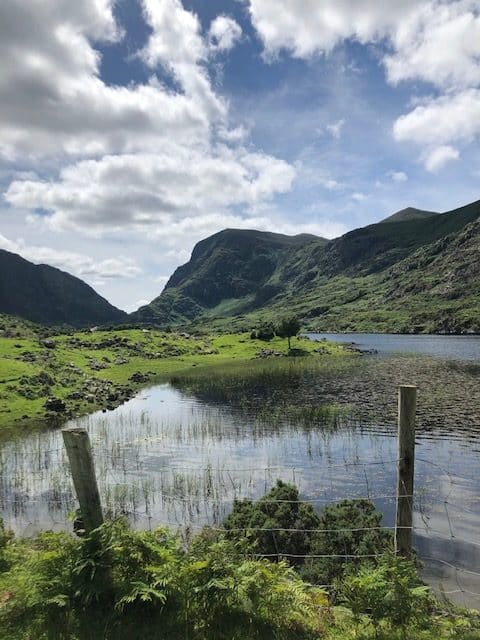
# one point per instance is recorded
(120, 584)
(350, 528)
(279, 523)
(265, 332)
(255, 521)
(390, 592)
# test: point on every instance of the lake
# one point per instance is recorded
(180, 456)
(454, 347)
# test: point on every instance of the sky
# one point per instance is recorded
(132, 129)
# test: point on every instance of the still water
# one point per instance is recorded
(172, 457)
(453, 347)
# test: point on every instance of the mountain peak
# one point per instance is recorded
(409, 213)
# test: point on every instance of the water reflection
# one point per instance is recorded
(166, 457)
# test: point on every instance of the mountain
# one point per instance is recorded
(410, 213)
(49, 296)
(414, 271)
(230, 272)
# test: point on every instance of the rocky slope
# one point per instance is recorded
(233, 270)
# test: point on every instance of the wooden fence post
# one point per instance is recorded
(407, 404)
(79, 451)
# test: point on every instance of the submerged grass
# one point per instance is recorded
(275, 392)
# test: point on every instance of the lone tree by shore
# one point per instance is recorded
(288, 327)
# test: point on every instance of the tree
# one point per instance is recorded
(288, 328)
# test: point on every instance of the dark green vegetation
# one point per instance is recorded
(288, 328)
(280, 525)
(415, 272)
(118, 584)
(231, 270)
(46, 295)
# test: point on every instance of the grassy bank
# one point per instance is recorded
(48, 377)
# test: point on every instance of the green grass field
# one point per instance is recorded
(100, 369)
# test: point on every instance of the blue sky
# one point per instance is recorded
(129, 130)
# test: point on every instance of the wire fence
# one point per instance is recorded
(41, 496)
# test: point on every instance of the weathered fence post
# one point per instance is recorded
(407, 404)
(79, 451)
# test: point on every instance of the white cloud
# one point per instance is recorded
(139, 303)
(162, 281)
(358, 196)
(318, 27)
(416, 31)
(178, 45)
(437, 158)
(442, 120)
(52, 99)
(335, 128)
(333, 185)
(149, 156)
(435, 41)
(224, 33)
(398, 176)
(76, 263)
(323, 228)
(156, 189)
(439, 43)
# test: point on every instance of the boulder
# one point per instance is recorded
(55, 405)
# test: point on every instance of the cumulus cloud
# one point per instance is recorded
(120, 179)
(438, 43)
(156, 189)
(319, 26)
(224, 33)
(358, 196)
(177, 44)
(435, 41)
(52, 99)
(437, 158)
(415, 30)
(76, 263)
(442, 120)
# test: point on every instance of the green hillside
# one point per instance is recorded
(233, 270)
(48, 296)
(416, 271)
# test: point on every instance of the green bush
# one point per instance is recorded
(350, 528)
(279, 509)
(265, 332)
(281, 524)
(119, 584)
(390, 592)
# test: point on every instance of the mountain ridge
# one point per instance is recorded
(315, 278)
(50, 296)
